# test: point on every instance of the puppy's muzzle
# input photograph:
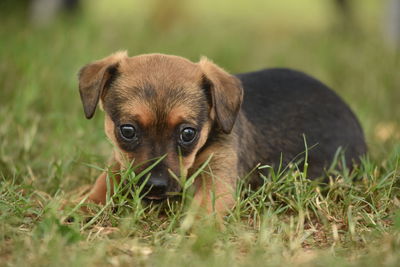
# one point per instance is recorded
(156, 188)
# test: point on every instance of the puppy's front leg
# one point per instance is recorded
(98, 194)
(214, 189)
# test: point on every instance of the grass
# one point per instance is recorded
(50, 153)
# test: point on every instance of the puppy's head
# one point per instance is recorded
(158, 105)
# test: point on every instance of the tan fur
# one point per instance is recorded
(109, 130)
(135, 73)
(227, 94)
(92, 79)
(219, 181)
(140, 111)
(98, 194)
(178, 114)
(189, 161)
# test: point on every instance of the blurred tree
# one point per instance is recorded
(8, 6)
(345, 12)
(344, 7)
(38, 11)
(392, 24)
(44, 11)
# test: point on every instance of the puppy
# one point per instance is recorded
(158, 105)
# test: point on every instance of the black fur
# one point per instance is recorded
(282, 105)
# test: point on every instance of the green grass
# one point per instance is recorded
(49, 153)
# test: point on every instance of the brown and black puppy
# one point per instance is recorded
(159, 105)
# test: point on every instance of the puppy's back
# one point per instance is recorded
(284, 104)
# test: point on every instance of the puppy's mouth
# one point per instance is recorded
(157, 198)
(161, 198)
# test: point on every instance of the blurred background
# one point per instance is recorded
(352, 46)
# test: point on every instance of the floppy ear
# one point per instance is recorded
(94, 77)
(226, 93)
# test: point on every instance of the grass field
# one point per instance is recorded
(49, 152)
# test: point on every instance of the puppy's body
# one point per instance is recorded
(280, 105)
(160, 105)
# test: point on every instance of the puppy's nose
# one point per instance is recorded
(156, 187)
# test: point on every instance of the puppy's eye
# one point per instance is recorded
(128, 131)
(188, 135)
